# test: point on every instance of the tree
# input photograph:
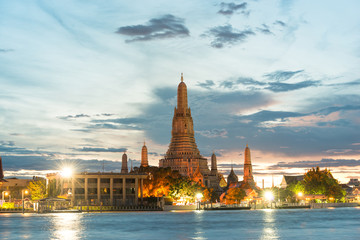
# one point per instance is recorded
(210, 195)
(235, 195)
(37, 189)
(183, 187)
(158, 182)
(318, 181)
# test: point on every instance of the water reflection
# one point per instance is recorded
(269, 229)
(67, 226)
(199, 226)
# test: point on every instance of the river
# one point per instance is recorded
(338, 223)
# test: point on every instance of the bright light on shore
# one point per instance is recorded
(300, 194)
(269, 196)
(199, 196)
(66, 172)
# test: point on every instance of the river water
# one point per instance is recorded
(339, 223)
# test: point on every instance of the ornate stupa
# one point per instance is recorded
(144, 156)
(124, 167)
(183, 154)
(248, 176)
(213, 164)
(232, 178)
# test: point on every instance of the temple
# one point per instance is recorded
(248, 176)
(144, 157)
(183, 154)
(124, 167)
(248, 181)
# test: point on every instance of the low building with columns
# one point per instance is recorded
(96, 188)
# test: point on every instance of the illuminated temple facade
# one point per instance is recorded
(183, 154)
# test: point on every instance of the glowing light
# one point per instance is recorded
(269, 196)
(66, 172)
(300, 194)
(26, 192)
(199, 196)
(6, 194)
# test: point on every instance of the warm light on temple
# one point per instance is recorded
(269, 196)
(66, 172)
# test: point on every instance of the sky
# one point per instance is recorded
(83, 81)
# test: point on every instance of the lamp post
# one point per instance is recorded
(23, 192)
(199, 197)
(4, 194)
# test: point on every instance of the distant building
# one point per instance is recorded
(183, 154)
(354, 182)
(287, 180)
(248, 182)
(109, 189)
(124, 166)
(232, 178)
(144, 157)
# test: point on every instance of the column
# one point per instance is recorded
(86, 189)
(124, 191)
(136, 191)
(111, 191)
(98, 190)
(141, 190)
(73, 190)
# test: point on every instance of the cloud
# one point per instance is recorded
(232, 84)
(226, 35)
(231, 8)
(28, 164)
(74, 116)
(328, 163)
(6, 50)
(285, 87)
(272, 86)
(214, 133)
(282, 75)
(352, 83)
(167, 26)
(91, 149)
(208, 84)
(10, 147)
(265, 29)
(280, 23)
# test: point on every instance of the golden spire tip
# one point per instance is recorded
(182, 78)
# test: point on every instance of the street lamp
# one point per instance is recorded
(4, 194)
(23, 192)
(270, 197)
(199, 196)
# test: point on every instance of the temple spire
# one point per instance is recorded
(144, 156)
(248, 176)
(213, 164)
(182, 103)
(124, 167)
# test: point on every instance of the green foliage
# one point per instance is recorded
(158, 182)
(318, 181)
(210, 195)
(183, 187)
(235, 195)
(37, 189)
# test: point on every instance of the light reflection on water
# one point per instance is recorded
(199, 225)
(67, 226)
(269, 230)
